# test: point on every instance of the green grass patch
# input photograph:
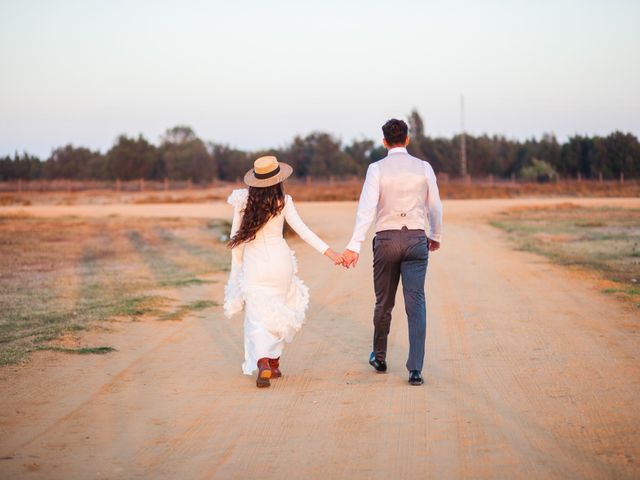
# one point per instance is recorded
(11, 354)
(625, 291)
(201, 305)
(138, 306)
(78, 351)
(185, 282)
(184, 310)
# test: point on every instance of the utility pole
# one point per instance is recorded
(463, 141)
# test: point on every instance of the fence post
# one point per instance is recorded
(166, 184)
(117, 184)
(69, 188)
(600, 176)
(513, 178)
(621, 177)
(491, 179)
(189, 184)
(142, 184)
(308, 180)
(19, 185)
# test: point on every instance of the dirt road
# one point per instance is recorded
(531, 373)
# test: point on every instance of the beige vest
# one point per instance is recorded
(403, 193)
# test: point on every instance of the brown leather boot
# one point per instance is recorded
(264, 373)
(274, 363)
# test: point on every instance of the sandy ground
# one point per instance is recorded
(531, 373)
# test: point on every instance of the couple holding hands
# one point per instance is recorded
(400, 193)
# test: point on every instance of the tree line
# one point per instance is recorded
(182, 155)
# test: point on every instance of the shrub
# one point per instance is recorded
(539, 171)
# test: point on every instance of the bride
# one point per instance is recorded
(263, 277)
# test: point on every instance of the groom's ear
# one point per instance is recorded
(384, 143)
(406, 142)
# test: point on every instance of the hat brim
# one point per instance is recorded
(285, 172)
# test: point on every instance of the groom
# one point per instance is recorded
(401, 194)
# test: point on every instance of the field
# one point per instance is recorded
(61, 275)
(604, 240)
(118, 362)
(80, 193)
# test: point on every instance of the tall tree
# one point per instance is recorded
(74, 163)
(618, 153)
(363, 152)
(417, 139)
(319, 155)
(231, 164)
(131, 158)
(185, 156)
(23, 166)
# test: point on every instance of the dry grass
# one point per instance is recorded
(602, 240)
(558, 189)
(60, 275)
(343, 190)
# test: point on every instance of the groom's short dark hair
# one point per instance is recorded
(395, 131)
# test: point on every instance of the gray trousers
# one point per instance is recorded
(400, 253)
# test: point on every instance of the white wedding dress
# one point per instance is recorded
(263, 281)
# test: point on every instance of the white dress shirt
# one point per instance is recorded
(399, 191)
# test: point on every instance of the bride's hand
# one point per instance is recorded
(336, 258)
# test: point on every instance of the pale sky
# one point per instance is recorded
(255, 73)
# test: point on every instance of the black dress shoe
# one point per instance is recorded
(415, 377)
(379, 365)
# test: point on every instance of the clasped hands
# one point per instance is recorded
(347, 259)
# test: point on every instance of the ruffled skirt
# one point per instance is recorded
(275, 300)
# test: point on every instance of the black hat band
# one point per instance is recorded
(264, 176)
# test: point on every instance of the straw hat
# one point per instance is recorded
(267, 171)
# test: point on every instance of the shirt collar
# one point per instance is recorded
(397, 150)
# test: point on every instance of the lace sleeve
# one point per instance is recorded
(233, 290)
(238, 198)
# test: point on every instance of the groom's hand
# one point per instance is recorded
(433, 245)
(350, 258)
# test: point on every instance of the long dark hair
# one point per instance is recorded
(263, 203)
